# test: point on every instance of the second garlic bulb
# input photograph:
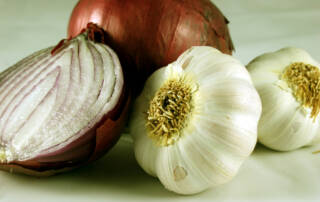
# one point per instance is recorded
(288, 82)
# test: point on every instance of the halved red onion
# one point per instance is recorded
(61, 107)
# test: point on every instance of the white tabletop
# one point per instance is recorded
(256, 26)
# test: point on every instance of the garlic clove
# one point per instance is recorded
(279, 120)
(144, 149)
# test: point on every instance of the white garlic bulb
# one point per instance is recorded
(196, 121)
(288, 82)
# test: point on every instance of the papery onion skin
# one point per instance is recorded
(91, 145)
(149, 34)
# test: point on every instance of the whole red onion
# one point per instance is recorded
(61, 107)
(149, 34)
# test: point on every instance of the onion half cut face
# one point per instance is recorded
(59, 110)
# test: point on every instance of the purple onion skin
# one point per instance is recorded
(90, 146)
(150, 34)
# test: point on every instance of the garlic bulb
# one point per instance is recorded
(288, 82)
(196, 121)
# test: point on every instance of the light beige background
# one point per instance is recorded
(256, 26)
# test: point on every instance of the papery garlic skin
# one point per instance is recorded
(285, 124)
(221, 130)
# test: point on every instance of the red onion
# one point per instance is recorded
(61, 107)
(149, 34)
